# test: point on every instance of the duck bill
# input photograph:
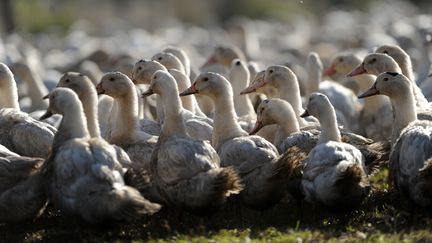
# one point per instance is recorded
(45, 97)
(147, 93)
(47, 114)
(258, 126)
(305, 114)
(191, 90)
(330, 71)
(99, 89)
(357, 71)
(370, 92)
(248, 90)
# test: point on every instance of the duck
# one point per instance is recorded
(196, 127)
(169, 61)
(285, 81)
(291, 137)
(84, 175)
(253, 157)
(223, 55)
(19, 132)
(377, 63)
(182, 56)
(376, 116)
(186, 171)
(334, 173)
(411, 153)
(124, 130)
(22, 191)
(85, 89)
(343, 99)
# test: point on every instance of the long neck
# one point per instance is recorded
(126, 121)
(89, 102)
(36, 91)
(173, 122)
(290, 92)
(9, 96)
(73, 125)
(374, 103)
(313, 80)
(406, 67)
(225, 120)
(404, 111)
(287, 122)
(329, 129)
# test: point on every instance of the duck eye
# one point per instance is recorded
(385, 79)
(111, 79)
(139, 68)
(205, 79)
(341, 59)
(159, 58)
(238, 63)
(67, 80)
(271, 71)
(385, 52)
(155, 77)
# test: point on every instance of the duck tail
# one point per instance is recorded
(289, 164)
(376, 155)
(122, 203)
(206, 192)
(351, 174)
(131, 204)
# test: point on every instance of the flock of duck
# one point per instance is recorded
(100, 148)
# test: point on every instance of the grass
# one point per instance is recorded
(383, 217)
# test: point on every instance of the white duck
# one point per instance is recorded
(18, 131)
(124, 129)
(186, 171)
(196, 127)
(377, 63)
(85, 174)
(410, 159)
(343, 99)
(334, 173)
(182, 56)
(376, 117)
(254, 158)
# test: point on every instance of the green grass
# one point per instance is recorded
(383, 217)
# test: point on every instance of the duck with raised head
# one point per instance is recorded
(84, 174)
(186, 171)
(254, 158)
(376, 117)
(411, 154)
(377, 63)
(334, 173)
(124, 130)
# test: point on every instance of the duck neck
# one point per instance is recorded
(89, 102)
(329, 129)
(126, 122)
(374, 103)
(290, 91)
(225, 120)
(287, 122)
(73, 125)
(36, 91)
(313, 80)
(173, 123)
(9, 96)
(404, 112)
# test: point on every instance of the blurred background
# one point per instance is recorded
(271, 31)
